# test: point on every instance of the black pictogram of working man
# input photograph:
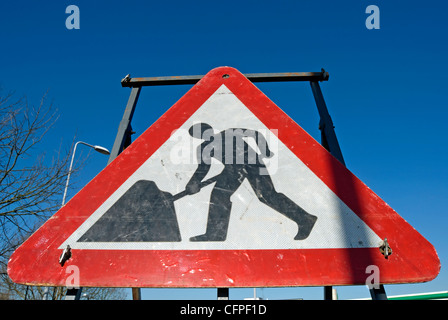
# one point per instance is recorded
(240, 162)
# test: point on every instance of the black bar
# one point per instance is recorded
(123, 137)
(378, 294)
(223, 293)
(288, 76)
(329, 140)
(328, 293)
(136, 294)
(73, 294)
(254, 77)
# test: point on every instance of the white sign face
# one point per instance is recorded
(250, 214)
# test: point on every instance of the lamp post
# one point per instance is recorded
(99, 149)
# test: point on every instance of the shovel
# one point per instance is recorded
(143, 214)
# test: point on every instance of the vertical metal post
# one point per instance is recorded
(328, 293)
(73, 294)
(122, 141)
(378, 294)
(124, 133)
(136, 294)
(223, 293)
(330, 142)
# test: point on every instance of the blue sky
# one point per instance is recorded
(386, 94)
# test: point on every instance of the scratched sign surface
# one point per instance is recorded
(224, 190)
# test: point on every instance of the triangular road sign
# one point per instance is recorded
(224, 190)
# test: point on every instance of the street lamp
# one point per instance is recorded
(99, 149)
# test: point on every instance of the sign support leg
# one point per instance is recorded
(330, 142)
(122, 141)
(136, 294)
(328, 135)
(378, 294)
(223, 293)
(328, 293)
(124, 133)
(73, 294)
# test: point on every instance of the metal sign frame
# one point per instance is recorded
(328, 136)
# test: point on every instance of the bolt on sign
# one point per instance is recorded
(224, 190)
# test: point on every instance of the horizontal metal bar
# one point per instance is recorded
(254, 77)
(288, 76)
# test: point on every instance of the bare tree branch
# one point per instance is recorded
(27, 187)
